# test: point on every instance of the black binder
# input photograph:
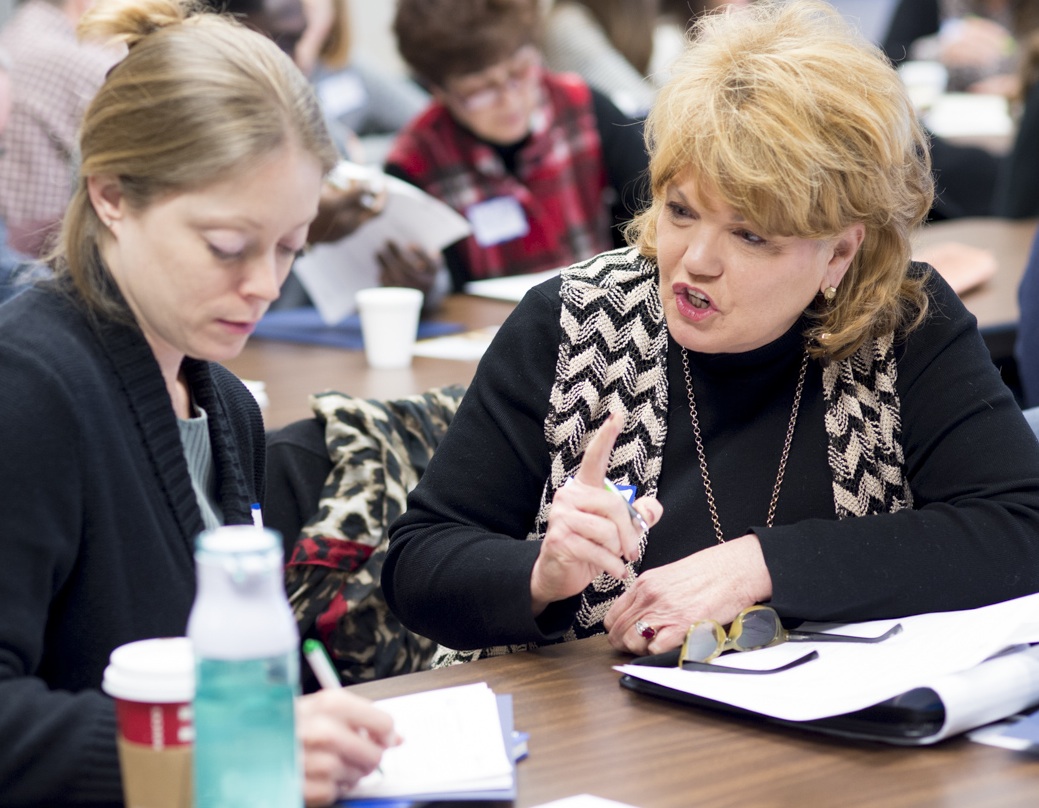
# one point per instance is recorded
(907, 719)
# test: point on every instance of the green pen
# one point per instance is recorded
(317, 657)
(321, 664)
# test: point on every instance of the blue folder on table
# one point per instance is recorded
(306, 326)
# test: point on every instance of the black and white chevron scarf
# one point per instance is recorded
(612, 358)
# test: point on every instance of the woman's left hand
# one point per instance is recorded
(714, 583)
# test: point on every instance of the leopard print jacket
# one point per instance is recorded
(379, 450)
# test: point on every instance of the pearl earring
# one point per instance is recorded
(829, 293)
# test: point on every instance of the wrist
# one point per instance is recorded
(757, 579)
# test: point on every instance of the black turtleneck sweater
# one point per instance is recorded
(97, 525)
(458, 569)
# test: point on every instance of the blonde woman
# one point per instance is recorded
(202, 160)
(802, 416)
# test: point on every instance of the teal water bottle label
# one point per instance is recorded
(246, 752)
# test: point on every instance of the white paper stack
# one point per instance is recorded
(454, 747)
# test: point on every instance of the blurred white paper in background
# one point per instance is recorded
(467, 347)
(333, 273)
(967, 115)
(509, 287)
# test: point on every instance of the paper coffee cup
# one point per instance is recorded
(389, 324)
(153, 682)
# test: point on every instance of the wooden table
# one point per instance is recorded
(995, 302)
(588, 735)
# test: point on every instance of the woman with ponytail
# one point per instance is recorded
(202, 158)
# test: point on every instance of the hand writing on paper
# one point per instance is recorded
(589, 528)
(411, 266)
(714, 583)
(343, 738)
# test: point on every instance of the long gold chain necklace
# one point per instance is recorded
(703, 458)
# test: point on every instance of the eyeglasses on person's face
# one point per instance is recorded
(480, 91)
(755, 627)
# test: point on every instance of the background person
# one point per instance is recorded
(364, 105)
(806, 418)
(53, 78)
(202, 160)
(980, 42)
(1017, 192)
(12, 263)
(609, 43)
(976, 40)
(544, 168)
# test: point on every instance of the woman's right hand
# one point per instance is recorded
(589, 528)
(343, 738)
(408, 266)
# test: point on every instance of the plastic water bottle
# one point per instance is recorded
(247, 673)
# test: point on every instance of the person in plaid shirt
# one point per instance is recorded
(545, 169)
(53, 78)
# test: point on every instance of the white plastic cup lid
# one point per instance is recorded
(159, 671)
(390, 296)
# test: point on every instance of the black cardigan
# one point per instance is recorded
(97, 528)
(458, 569)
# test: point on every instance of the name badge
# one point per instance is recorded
(341, 93)
(497, 220)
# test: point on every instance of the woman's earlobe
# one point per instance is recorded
(106, 197)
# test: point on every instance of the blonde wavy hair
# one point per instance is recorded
(786, 114)
(197, 99)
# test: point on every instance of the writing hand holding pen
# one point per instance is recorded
(591, 528)
(343, 736)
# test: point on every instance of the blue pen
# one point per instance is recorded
(257, 514)
(636, 517)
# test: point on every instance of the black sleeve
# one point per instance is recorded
(1026, 350)
(57, 747)
(1017, 196)
(454, 256)
(972, 535)
(297, 467)
(458, 568)
(912, 19)
(627, 163)
(965, 179)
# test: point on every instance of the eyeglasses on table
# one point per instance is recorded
(754, 628)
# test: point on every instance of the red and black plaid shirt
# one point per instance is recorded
(559, 179)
